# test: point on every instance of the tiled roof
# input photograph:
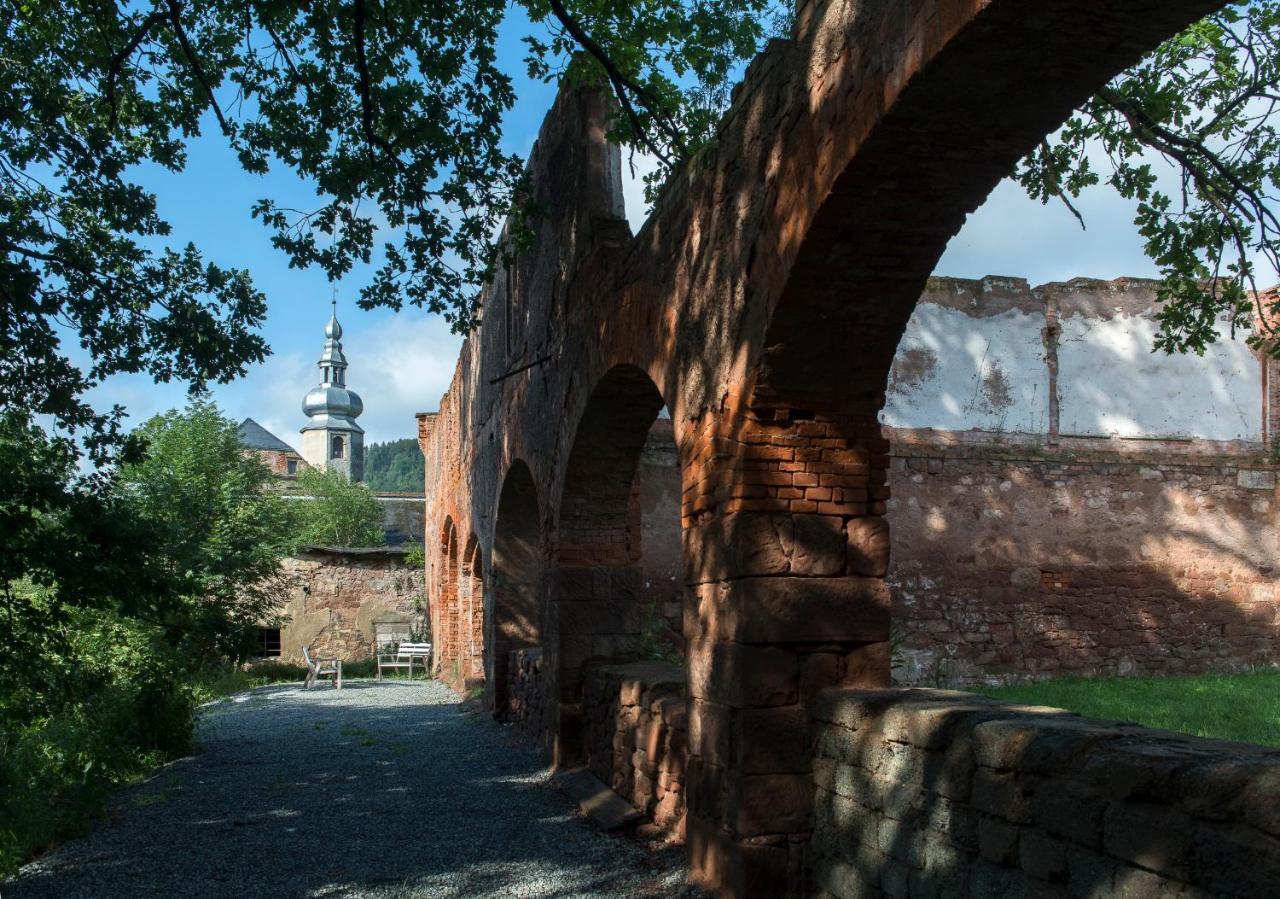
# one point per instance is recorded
(255, 436)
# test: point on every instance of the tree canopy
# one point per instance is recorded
(392, 112)
(395, 466)
(215, 534)
(338, 511)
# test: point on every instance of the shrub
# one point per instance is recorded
(112, 705)
(340, 512)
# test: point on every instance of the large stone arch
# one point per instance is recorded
(765, 296)
(593, 610)
(515, 596)
(446, 612)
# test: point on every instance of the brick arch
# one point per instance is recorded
(446, 614)
(594, 611)
(471, 615)
(911, 114)
(972, 90)
(766, 296)
(515, 597)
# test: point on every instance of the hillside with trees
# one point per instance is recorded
(394, 467)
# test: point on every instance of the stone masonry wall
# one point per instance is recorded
(638, 737)
(337, 599)
(526, 693)
(761, 304)
(931, 793)
(1021, 560)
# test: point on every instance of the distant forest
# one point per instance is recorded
(394, 467)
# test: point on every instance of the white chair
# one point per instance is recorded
(404, 657)
(318, 668)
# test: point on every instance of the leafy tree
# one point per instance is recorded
(216, 533)
(392, 111)
(1205, 103)
(396, 466)
(338, 511)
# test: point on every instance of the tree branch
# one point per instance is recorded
(175, 19)
(621, 86)
(366, 88)
(116, 67)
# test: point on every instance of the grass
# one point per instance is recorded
(228, 680)
(1242, 707)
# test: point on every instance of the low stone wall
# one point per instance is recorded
(1018, 560)
(338, 598)
(928, 793)
(526, 693)
(638, 737)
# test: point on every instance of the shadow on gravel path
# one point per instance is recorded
(377, 790)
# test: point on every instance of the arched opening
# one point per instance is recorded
(445, 614)
(516, 589)
(337, 447)
(610, 595)
(471, 616)
(893, 159)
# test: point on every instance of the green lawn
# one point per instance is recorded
(1244, 707)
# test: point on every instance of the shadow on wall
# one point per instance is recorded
(922, 792)
(515, 595)
(1009, 564)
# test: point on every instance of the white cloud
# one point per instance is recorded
(399, 365)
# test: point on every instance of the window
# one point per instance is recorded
(291, 467)
(269, 642)
(336, 450)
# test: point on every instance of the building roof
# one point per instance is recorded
(254, 436)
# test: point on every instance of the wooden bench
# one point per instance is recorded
(318, 668)
(404, 657)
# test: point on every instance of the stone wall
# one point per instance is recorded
(338, 599)
(930, 793)
(1020, 560)
(526, 694)
(402, 517)
(638, 737)
(1070, 358)
(761, 304)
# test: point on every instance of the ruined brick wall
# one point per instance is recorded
(921, 792)
(526, 693)
(657, 493)
(638, 737)
(1069, 358)
(1066, 501)
(761, 304)
(1020, 560)
(336, 599)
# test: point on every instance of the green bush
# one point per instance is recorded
(340, 512)
(114, 704)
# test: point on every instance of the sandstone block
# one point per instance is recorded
(797, 609)
(745, 676)
(773, 740)
(1154, 837)
(1041, 855)
(772, 803)
(1001, 795)
(998, 841)
(868, 546)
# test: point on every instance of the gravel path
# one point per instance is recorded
(377, 790)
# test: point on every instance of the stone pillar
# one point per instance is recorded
(786, 550)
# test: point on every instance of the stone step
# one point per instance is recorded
(603, 807)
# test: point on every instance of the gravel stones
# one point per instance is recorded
(377, 790)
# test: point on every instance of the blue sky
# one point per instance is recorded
(401, 363)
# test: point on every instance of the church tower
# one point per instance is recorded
(332, 439)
